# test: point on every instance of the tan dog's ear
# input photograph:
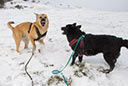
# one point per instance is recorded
(36, 14)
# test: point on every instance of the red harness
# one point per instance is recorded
(73, 42)
(81, 44)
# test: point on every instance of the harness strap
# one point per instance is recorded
(39, 35)
(73, 42)
(81, 44)
(30, 28)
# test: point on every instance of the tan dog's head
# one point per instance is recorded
(41, 19)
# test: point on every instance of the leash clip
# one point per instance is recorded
(83, 35)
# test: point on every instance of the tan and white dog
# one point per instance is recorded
(30, 31)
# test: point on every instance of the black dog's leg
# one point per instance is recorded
(80, 58)
(111, 59)
(108, 59)
(74, 58)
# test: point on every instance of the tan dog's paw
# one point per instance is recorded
(40, 50)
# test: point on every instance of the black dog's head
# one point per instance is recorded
(71, 29)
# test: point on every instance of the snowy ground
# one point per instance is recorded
(57, 51)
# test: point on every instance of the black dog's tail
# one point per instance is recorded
(125, 43)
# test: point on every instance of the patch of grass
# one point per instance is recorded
(19, 7)
(81, 71)
(1, 3)
(57, 80)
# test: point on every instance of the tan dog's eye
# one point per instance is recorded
(40, 17)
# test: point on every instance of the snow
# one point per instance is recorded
(57, 51)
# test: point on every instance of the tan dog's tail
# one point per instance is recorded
(9, 25)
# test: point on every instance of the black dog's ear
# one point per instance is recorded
(74, 24)
(78, 27)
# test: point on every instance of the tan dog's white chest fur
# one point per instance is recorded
(30, 31)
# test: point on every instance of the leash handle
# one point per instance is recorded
(57, 71)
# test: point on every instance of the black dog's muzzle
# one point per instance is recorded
(62, 28)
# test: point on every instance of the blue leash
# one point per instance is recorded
(57, 71)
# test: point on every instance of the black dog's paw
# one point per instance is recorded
(106, 71)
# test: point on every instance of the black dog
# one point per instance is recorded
(93, 44)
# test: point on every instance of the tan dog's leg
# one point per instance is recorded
(42, 45)
(33, 43)
(17, 38)
(26, 41)
(41, 42)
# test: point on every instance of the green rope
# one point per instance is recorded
(57, 71)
